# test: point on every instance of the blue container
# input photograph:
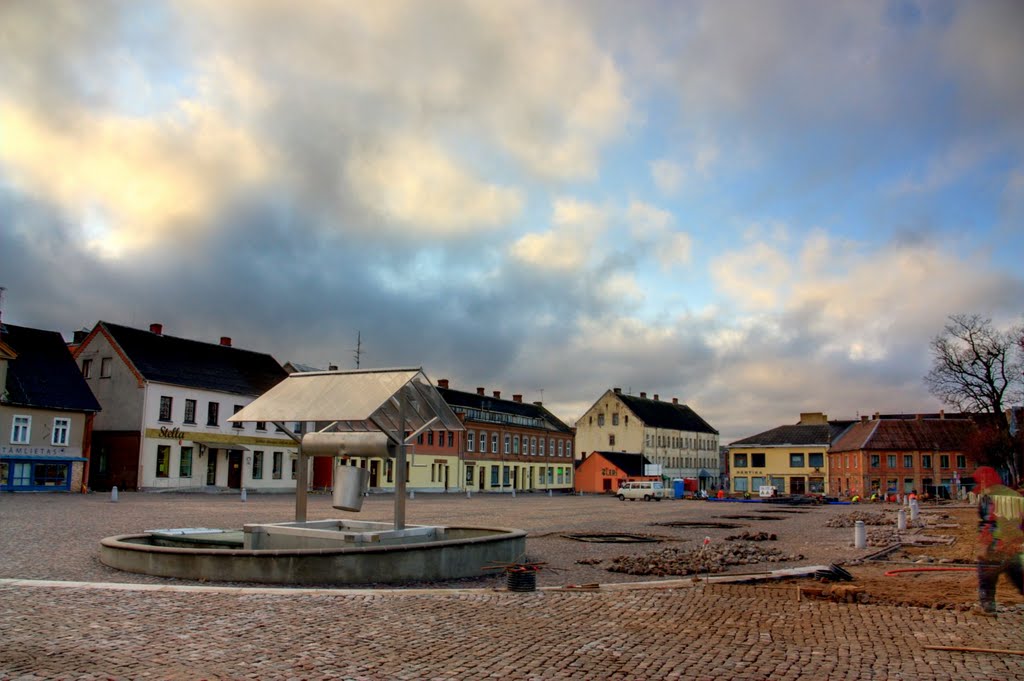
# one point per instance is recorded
(678, 488)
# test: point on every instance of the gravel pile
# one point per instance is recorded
(753, 536)
(868, 517)
(689, 562)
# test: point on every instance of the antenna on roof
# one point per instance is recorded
(2, 289)
(359, 347)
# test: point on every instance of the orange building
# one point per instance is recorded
(604, 472)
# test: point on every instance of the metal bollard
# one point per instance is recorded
(243, 494)
(412, 494)
(469, 495)
(901, 520)
(113, 494)
(549, 493)
(513, 492)
(915, 510)
(860, 535)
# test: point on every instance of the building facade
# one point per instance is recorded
(166, 401)
(605, 472)
(46, 413)
(671, 435)
(792, 459)
(899, 454)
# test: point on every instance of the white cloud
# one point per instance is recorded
(412, 181)
(655, 231)
(568, 245)
(667, 175)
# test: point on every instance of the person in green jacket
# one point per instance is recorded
(1000, 536)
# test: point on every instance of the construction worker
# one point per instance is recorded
(1000, 537)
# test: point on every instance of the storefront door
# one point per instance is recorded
(235, 469)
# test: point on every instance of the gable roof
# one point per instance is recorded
(812, 434)
(43, 375)
(468, 400)
(632, 464)
(658, 414)
(195, 364)
(945, 435)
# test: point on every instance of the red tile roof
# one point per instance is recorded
(945, 435)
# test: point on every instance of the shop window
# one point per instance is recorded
(190, 411)
(61, 432)
(55, 474)
(185, 463)
(740, 484)
(278, 463)
(163, 461)
(257, 465)
(166, 403)
(505, 479)
(494, 476)
(21, 430)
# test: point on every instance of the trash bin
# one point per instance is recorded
(350, 482)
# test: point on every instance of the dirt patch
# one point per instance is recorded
(706, 524)
(740, 516)
(620, 538)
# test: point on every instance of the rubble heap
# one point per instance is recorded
(676, 561)
(868, 517)
(753, 536)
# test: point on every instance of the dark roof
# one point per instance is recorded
(631, 464)
(906, 434)
(658, 414)
(468, 400)
(194, 364)
(44, 374)
(811, 434)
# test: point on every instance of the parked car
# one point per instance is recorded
(642, 489)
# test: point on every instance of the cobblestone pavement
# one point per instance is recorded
(154, 628)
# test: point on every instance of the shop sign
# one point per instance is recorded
(10, 450)
(172, 433)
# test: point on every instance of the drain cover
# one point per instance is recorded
(612, 538)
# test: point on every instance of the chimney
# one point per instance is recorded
(643, 396)
(942, 413)
(538, 403)
(225, 341)
(479, 391)
(332, 367)
(875, 416)
(655, 397)
(618, 391)
(517, 398)
(80, 336)
(497, 394)
(864, 418)
(442, 383)
(917, 417)
(158, 329)
(675, 400)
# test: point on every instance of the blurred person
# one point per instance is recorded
(1000, 537)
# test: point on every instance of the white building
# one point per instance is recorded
(670, 434)
(166, 401)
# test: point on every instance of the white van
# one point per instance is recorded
(642, 489)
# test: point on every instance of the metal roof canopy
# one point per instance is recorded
(355, 401)
(392, 401)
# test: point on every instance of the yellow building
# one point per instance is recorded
(790, 458)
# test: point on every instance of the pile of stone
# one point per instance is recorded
(698, 561)
(752, 536)
(883, 536)
(869, 518)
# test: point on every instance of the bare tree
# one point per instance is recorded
(977, 368)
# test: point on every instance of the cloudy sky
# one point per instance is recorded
(760, 207)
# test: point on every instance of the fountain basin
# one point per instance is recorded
(315, 554)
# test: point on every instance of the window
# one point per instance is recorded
(961, 461)
(756, 483)
(757, 460)
(515, 445)
(163, 461)
(926, 461)
(390, 469)
(494, 476)
(494, 443)
(508, 444)
(568, 449)
(190, 411)
(615, 419)
(21, 430)
(504, 477)
(87, 368)
(875, 460)
(561, 447)
(257, 465)
(239, 425)
(419, 439)
(551, 447)
(105, 366)
(600, 420)
(739, 484)
(625, 419)
(483, 442)
(943, 460)
(541, 449)
(278, 462)
(890, 460)
(739, 460)
(451, 439)
(470, 437)
(908, 460)
(796, 460)
(430, 438)
(165, 407)
(295, 467)
(61, 430)
(261, 425)
(533, 446)
(212, 413)
(185, 463)
(611, 441)
(816, 460)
